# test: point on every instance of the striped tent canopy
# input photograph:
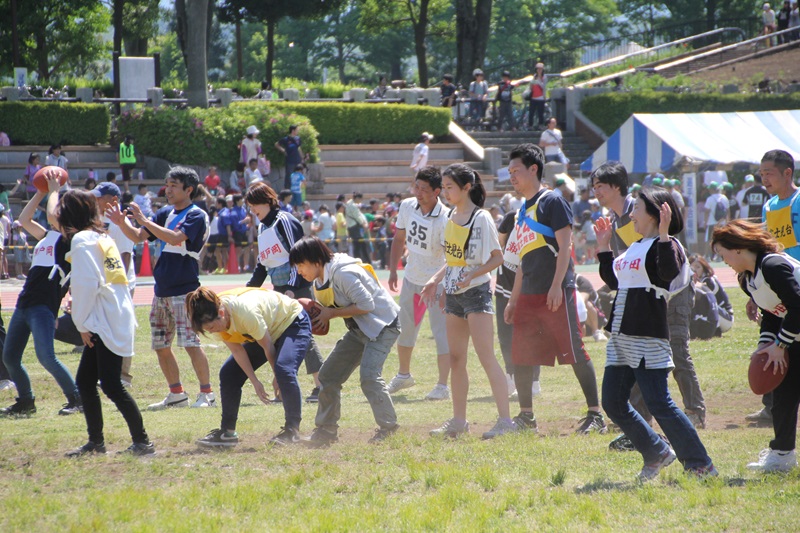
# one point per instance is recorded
(647, 142)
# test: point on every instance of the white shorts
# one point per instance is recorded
(409, 330)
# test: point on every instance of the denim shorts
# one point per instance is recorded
(475, 300)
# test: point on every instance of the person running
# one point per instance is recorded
(419, 229)
(349, 289)
(638, 350)
(543, 302)
(472, 252)
(277, 233)
(257, 326)
(37, 309)
(182, 230)
(102, 311)
(769, 276)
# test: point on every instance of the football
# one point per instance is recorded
(763, 381)
(40, 182)
(313, 308)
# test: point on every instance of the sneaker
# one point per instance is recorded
(173, 399)
(696, 420)
(399, 383)
(536, 388)
(512, 386)
(139, 449)
(276, 399)
(501, 427)
(205, 399)
(6, 384)
(286, 437)
(314, 396)
(127, 384)
(703, 472)
(77, 349)
(593, 421)
(22, 407)
(650, 471)
(774, 461)
(526, 422)
(514, 396)
(90, 448)
(320, 438)
(599, 336)
(451, 428)
(217, 438)
(73, 406)
(381, 434)
(621, 444)
(439, 392)
(764, 415)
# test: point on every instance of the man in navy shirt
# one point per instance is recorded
(181, 230)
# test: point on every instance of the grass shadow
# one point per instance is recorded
(604, 485)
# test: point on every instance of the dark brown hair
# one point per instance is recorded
(310, 250)
(653, 199)
(742, 234)
(202, 307)
(260, 193)
(77, 212)
(707, 268)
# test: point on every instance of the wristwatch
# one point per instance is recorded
(781, 344)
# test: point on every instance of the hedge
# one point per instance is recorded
(339, 123)
(211, 136)
(55, 122)
(610, 110)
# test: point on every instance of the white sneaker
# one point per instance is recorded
(451, 429)
(6, 384)
(599, 336)
(205, 399)
(650, 471)
(439, 392)
(512, 386)
(774, 461)
(536, 388)
(500, 428)
(180, 399)
(399, 383)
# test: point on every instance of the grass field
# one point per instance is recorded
(523, 482)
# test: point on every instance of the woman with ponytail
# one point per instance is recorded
(472, 252)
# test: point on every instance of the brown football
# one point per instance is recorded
(763, 381)
(313, 308)
(40, 182)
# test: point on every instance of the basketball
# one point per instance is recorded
(313, 308)
(763, 381)
(40, 182)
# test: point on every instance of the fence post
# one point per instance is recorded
(434, 97)
(358, 95)
(156, 96)
(409, 96)
(225, 97)
(291, 95)
(11, 94)
(85, 94)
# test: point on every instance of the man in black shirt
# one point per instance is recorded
(754, 199)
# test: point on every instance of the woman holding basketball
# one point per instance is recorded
(257, 326)
(638, 350)
(37, 308)
(772, 279)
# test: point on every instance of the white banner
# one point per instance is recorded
(689, 182)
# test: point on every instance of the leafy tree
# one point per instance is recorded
(140, 25)
(472, 36)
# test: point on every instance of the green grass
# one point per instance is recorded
(553, 481)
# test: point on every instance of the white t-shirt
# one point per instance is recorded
(550, 136)
(250, 150)
(124, 244)
(325, 221)
(420, 158)
(252, 176)
(424, 238)
(711, 204)
(482, 243)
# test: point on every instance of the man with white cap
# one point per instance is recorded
(420, 158)
(768, 18)
(250, 146)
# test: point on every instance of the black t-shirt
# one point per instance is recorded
(539, 265)
(754, 198)
(39, 288)
(292, 146)
(506, 272)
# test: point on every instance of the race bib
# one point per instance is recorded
(271, 253)
(779, 224)
(419, 235)
(113, 267)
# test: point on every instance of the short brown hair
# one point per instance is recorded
(742, 234)
(260, 193)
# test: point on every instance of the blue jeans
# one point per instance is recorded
(290, 350)
(40, 321)
(617, 384)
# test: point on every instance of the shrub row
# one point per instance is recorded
(211, 136)
(610, 110)
(366, 123)
(55, 122)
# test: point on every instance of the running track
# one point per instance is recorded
(9, 289)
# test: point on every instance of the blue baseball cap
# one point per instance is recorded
(106, 188)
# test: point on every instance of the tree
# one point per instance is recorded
(141, 26)
(472, 36)
(271, 11)
(196, 59)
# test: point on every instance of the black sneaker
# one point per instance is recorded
(286, 437)
(139, 449)
(526, 422)
(320, 438)
(621, 444)
(381, 434)
(73, 406)
(593, 421)
(90, 448)
(21, 408)
(219, 438)
(314, 396)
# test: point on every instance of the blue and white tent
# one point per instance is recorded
(649, 142)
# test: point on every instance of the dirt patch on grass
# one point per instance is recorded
(782, 66)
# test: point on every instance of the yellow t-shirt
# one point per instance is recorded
(256, 312)
(341, 225)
